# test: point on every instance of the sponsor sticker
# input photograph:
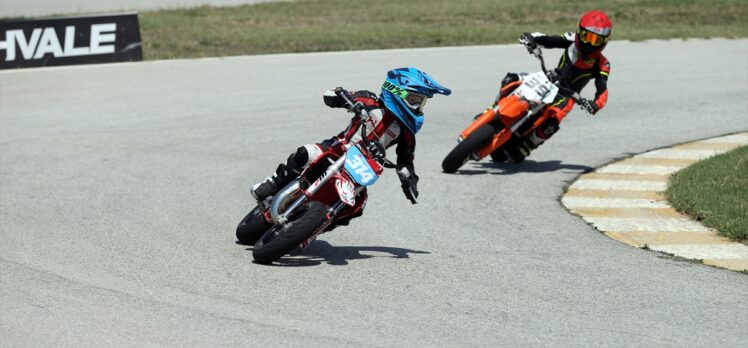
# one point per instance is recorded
(346, 191)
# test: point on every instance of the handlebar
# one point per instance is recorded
(376, 148)
(348, 99)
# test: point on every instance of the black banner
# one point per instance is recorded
(70, 40)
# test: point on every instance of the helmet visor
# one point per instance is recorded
(415, 101)
(591, 38)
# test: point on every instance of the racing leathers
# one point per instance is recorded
(382, 125)
(574, 71)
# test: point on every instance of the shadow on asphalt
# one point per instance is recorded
(323, 252)
(528, 166)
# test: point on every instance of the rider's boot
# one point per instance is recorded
(518, 148)
(537, 137)
(282, 176)
(530, 142)
(267, 187)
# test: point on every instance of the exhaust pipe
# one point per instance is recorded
(282, 198)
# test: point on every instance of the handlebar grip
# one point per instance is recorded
(343, 93)
(347, 98)
(356, 107)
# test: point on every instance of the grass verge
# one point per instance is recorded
(338, 25)
(715, 192)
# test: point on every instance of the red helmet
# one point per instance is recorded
(593, 32)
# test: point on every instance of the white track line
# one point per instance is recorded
(680, 154)
(572, 202)
(731, 251)
(626, 185)
(740, 139)
(616, 224)
(638, 169)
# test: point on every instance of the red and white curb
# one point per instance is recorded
(625, 200)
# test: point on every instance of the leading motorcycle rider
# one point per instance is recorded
(396, 117)
(581, 62)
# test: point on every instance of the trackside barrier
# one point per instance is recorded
(103, 38)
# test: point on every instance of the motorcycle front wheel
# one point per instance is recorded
(279, 240)
(461, 153)
(252, 227)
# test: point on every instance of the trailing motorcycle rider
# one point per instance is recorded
(396, 115)
(581, 62)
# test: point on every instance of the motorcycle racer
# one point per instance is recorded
(396, 117)
(581, 62)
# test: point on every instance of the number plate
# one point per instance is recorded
(358, 167)
(537, 88)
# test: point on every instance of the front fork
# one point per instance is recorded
(290, 191)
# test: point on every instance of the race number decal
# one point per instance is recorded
(358, 167)
(536, 87)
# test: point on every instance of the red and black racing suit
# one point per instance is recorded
(574, 72)
(383, 125)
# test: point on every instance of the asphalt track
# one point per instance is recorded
(122, 185)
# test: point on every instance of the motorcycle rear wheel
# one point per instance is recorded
(279, 240)
(461, 153)
(252, 227)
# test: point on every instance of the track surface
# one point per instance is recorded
(122, 185)
(14, 8)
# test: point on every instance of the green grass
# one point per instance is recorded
(715, 192)
(336, 25)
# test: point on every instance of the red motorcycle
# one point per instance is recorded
(329, 192)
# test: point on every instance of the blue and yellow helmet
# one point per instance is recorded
(405, 92)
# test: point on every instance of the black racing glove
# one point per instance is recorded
(409, 182)
(590, 106)
(377, 151)
(528, 40)
(332, 98)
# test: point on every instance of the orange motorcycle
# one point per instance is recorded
(520, 108)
